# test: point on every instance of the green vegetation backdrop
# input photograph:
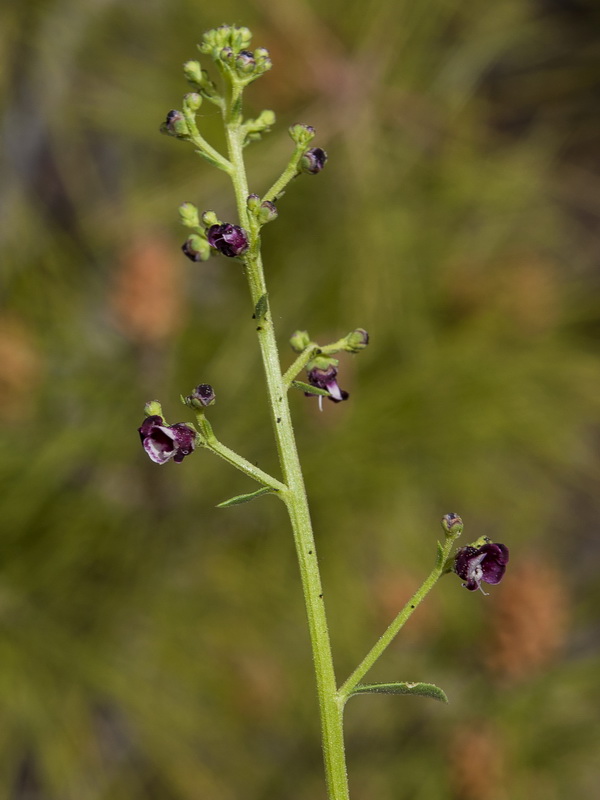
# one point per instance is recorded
(153, 647)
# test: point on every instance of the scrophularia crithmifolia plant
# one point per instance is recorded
(482, 561)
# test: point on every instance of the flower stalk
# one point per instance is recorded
(481, 561)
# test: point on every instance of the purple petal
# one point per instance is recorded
(160, 444)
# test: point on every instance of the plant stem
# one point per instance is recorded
(376, 651)
(295, 495)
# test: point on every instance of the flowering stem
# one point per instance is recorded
(294, 495)
(210, 441)
(288, 174)
(377, 650)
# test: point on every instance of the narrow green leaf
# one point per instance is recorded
(306, 387)
(245, 498)
(261, 308)
(422, 689)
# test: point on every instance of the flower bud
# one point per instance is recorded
(175, 125)
(253, 202)
(188, 214)
(196, 248)
(210, 218)
(356, 341)
(299, 341)
(202, 396)
(452, 524)
(313, 161)
(228, 239)
(302, 134)
(153, 409)
(245, 63)
(192, 101)
(267, 213)
(193, 72)
(227, 55)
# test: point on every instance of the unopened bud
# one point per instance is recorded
(268, 212)
(210, 218)
(302, 134)
(192, 101)
(188, 214)
(253, 202)
(175, 125)
(313, 161)
(356, 341)
(202, 396)
(193, 72)
(299, 341)
(153, 409)
(245, 62)
(196, 248)
(452, 524)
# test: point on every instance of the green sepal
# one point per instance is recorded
(421, 689)
(307, 387)
(245, 498)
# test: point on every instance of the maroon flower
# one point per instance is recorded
(476, 564)
(165, 442)
(228, 239)
(325, 378)
(313, 160)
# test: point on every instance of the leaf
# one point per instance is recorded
(245, 498)
(262, 306)
(306, 387)
(422, 689)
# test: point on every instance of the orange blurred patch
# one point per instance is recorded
(477, 763)
(147, 299)
(529, 622)
(21, 368)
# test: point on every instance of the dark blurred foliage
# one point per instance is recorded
(152, 646)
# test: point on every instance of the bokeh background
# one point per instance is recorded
(153, 647)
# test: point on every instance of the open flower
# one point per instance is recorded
(228, 239)
(476, 564)
(164, 442)
(326, 378)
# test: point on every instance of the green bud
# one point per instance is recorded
(175, 125)
(302, 134)
(196, 248)
(153, 409)
(452, 524)
(267, 213)
(188, 214)
(253, 202)
(209, 218)
(356, 341)
(192, 101)
(299, 341)
(193, 72)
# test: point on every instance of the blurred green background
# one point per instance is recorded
(154, 647)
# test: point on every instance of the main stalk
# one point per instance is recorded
(295, 493)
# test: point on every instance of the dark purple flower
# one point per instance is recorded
(165, 442)
(486, 563)
(325, 378)
(228, 239)
(313, 160)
